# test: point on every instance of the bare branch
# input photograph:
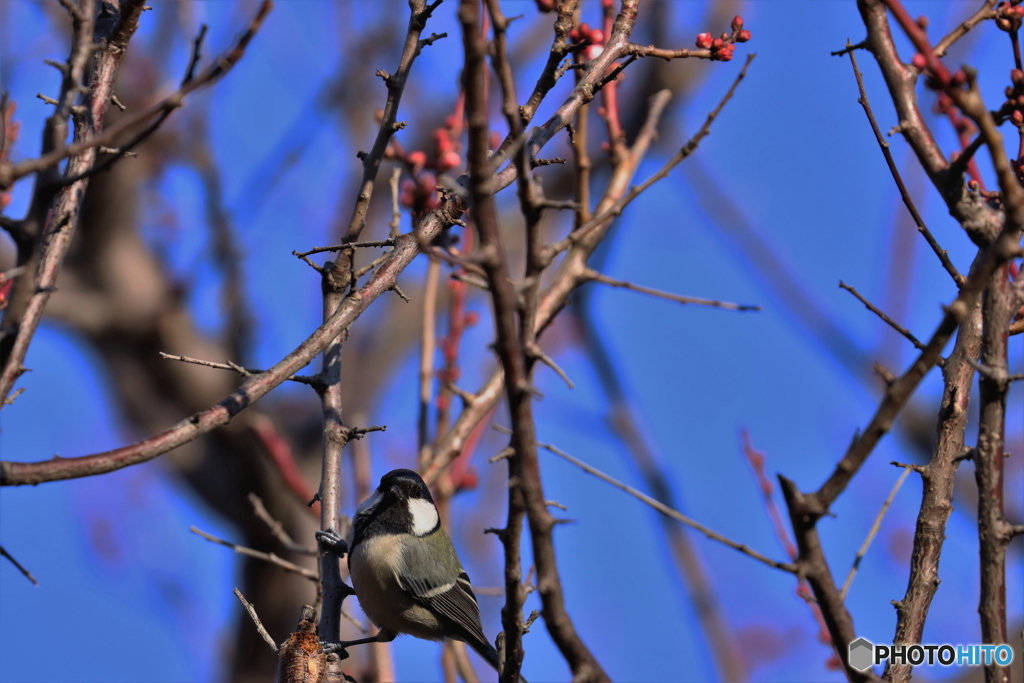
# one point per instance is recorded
(875, 526)
(256, 620)
(666, 510)
(244, 372)
(266, 557)
(604, 279)
(27, 574)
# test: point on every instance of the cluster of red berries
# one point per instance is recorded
(419, 192)
(723, 46)
(1015, 97)
(1009, 15)
(583, 33)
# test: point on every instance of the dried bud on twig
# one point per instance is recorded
(301, 659)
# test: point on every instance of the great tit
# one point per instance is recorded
(405, 571)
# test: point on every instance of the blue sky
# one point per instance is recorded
(139, 598)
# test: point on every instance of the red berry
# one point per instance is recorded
(408, 189)
(443, 140)
(704, 41)
(418, 159)
(743, 36)
(448, 161)
(737, 23)
(919, 61)
(427, 183)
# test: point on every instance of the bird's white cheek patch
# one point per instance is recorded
(424, 516)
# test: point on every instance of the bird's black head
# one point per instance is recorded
(404, 485)
(402, 504)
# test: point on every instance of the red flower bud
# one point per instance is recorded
(1004, 24)
(717, 44)
(427, 183)
(958, 79)
(724, 36)
(442, 140)
(597, 36)
(919, 61)
(743, 36)
(922, 21)
(574, 35)
(724, 55)
(1008, 92)
(584, 30)
(418, 159)
(471, 319)
(408, 189)
(1017, 117)
(448, 161)
(737, 23)
(704, 41)
(1017, 76)
(545, 5)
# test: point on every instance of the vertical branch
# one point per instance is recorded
(44, 237)
(998, 308)
(427, 345)
(937, 478)
(335, 436)
(524, 469)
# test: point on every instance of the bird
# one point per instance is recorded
(405, 571)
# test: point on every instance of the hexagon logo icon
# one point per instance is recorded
(861, 651)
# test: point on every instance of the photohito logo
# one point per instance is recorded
(864, 654)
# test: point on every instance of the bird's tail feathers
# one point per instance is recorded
(490, 655)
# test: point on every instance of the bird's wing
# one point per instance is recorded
(443, 590)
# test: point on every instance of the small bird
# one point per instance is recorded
(405, 571)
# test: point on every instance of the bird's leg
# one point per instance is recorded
(383, 636)
(332, 541)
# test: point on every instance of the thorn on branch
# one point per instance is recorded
(534, 351)
(504, 454)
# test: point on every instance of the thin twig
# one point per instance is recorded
(244, 372)
(872, 533)
(276, 528)
(266, 557)
(666, 510)
(27, 573)
(887, 320)
(921, 227)
(390, 242)
(256, 620)
(604, 279)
